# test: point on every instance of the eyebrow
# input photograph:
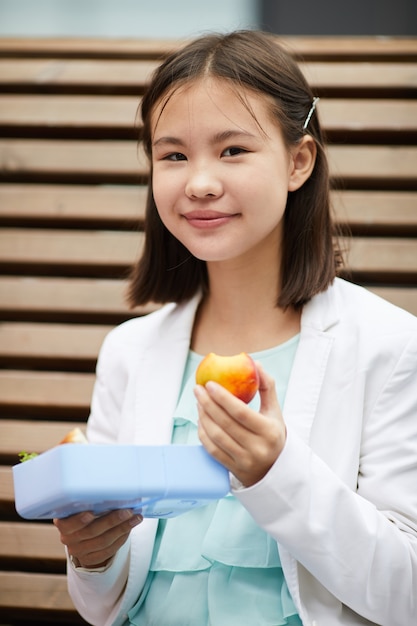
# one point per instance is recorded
(219, 137)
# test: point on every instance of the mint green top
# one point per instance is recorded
(213, 566)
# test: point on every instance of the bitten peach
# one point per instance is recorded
(74, 436)
(238, 374)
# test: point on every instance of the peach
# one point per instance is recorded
(238, 374)
(74, 436)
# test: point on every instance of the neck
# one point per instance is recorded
(240, 312)
(241, 295)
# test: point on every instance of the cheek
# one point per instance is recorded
(161, 193)
(165, 200)
(165, 188)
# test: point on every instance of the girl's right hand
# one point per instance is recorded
(93, 541)
(245, 441)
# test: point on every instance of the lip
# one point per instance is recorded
(208, 219)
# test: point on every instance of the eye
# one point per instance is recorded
(233, 151)
(175, 156)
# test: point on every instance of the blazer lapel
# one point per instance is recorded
(310, 363)
(162, 365)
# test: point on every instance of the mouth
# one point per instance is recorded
(208, 219)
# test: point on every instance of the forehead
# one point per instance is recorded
(212, 98)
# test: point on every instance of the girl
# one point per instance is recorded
(321, 523)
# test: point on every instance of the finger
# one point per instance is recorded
(216, 440)
(74, 523)
(224, 408)
(222, 434)
(267, 392)
(90, 556)
(248, 459)
(99, 541)
(233, 445)
(121, 520)
(103, 529)
(79, 521)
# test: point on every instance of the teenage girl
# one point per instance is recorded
(320, 526)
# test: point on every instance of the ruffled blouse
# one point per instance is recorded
(214, 566)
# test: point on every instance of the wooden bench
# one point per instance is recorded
(72, 192)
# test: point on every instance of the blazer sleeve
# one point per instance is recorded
(112, 374)
(97, 595)
(360, 545)
(103, 598)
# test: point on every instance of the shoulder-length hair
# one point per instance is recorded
(254, 60)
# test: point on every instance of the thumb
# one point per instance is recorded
(268, 395)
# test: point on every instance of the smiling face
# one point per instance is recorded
(221, 171)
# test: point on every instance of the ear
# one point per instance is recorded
(303, 158)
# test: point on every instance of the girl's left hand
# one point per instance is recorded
(245, 441)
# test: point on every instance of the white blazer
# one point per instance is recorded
(341, 500)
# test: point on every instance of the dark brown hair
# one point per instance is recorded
(167, 272)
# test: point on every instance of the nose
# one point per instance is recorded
(203, 183)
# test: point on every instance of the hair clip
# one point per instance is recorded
(310, 113)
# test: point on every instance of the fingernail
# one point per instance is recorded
(197, 391)
(125, 514)
(211, 386)
(136, 519)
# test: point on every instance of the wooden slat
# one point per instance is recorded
(63, 299)
(37, 594)
(76, 75)
(119, 205)
(32, 545)
(379, 77)
(357, 117)
(350, 48)
(124, 206)
(387, 211)
(385, 166)
(6, 489)
(108, 161)
(103, 206)
(131, 76)
(73, 297)
(18, 246)
(68, 248)
(31, 436)
(55, 297)
(404, 297)
(60, 345)
(54, 110)
(121, 160)
(105, 48)
(382, 255)
(51, 113)
(58, 394)
(307, 46)
(59, 295)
